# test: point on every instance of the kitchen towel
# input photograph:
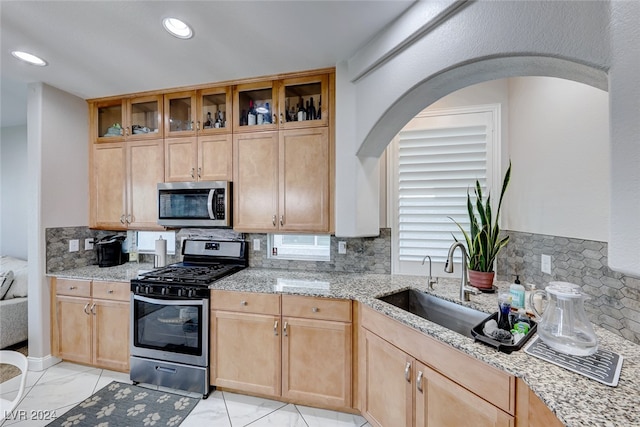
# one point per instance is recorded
(161, 253)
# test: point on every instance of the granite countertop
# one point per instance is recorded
(575, 399)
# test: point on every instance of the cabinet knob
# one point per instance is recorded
(284, 329)
(85, 308)
(419, 381)
(407, 372)
(110, 291)
(72, 288)
(281, 219)
(126, 131)
(198, 125)
(275, 328)
(274, 220)
(315, 309)
(92, 309)
(275, 118)
(199, 172)
(193, 173)
(281, 118)
(122, 217)
(243, 302)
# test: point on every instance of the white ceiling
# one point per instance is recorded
(103, 48)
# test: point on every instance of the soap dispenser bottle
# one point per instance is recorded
(517, 293)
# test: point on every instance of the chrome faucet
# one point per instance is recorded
(465, 290)
(430, 281)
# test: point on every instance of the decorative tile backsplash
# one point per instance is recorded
(364, 254)
(368, 254)
(614, 301)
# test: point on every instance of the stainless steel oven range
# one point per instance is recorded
(170, 315)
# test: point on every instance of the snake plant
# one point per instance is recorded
(483, 240)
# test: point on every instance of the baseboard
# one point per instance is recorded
(41, 363)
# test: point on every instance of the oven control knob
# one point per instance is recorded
(163, 291)
(179, 293)
(192, 293)
(148, 290)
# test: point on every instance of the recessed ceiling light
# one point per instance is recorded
(177, 28)
(29, 58)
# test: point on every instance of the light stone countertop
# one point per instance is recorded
(576, 400)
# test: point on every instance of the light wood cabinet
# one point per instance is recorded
(441, 402)
(282, 181)
(428, 383)
(198, 124)
(266, 346)
(205, 158)
(139, 118)
(283, 169)
(90, 322)
(316, 333)
(386, 391)
(124, 179)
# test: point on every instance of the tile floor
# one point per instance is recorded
(63, 386)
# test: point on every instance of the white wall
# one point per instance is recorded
(13, 191)
(58, 156)
(597, 43)
(559, 146)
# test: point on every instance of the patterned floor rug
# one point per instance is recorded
(120, 404)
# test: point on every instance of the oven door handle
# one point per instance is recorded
(212, 193)
(198, 301)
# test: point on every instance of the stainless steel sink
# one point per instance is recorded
(445, 313)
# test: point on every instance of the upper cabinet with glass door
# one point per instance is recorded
(132, 118)
(180, 114)
(255, 106)
(214, 113)
(144, 118)
(301, 102)
(198, 112)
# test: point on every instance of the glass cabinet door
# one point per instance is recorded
(180, 112)
(214, 110)
(109, 121)
(145, 118)
(301, 102)
(255, 106)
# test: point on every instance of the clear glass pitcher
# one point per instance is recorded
(564, 326)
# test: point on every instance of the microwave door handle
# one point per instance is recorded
(212, 193)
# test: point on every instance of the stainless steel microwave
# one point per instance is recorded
(194, 204)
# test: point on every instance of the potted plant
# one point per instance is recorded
(483, 240)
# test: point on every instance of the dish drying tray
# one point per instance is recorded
(603, 366)
(478, 334)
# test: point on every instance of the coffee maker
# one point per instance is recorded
(109, 250)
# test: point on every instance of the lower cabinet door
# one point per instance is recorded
(245, 352)
(111, 334)
(74, 328)
(316, 361)
(441, 402)
(385, 383)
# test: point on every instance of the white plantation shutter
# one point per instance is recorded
(437, 160)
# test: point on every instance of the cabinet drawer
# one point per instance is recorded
(118, 291)
(316, 308)
(73, 287)
(245, 302)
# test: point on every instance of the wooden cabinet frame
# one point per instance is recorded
(87, 329)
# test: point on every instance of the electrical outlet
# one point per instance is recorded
(545, 263)
(88, 244)
(256, 244)
(342, 247)
(74, 245)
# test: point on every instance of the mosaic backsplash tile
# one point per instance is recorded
(614, 301)
(369, 254)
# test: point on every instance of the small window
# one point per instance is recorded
(147, 241)
(303, 247)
